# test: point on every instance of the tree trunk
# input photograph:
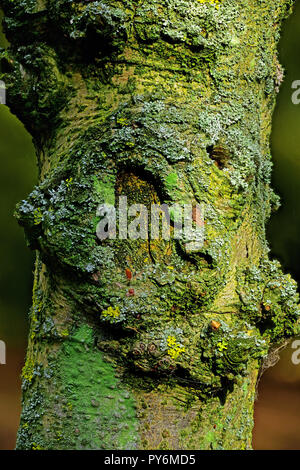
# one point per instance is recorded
(148, 344)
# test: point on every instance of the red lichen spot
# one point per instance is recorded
(215, 325)
(130, 293)
(197, 216)
(128, 274)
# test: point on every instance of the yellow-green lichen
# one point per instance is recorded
(211, 2)
(174, 348)
(111, 313)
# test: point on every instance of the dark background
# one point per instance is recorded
(277, 413)
(277, 410)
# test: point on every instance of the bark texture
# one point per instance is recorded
(162, 101)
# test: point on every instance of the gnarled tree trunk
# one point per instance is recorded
(148, 344)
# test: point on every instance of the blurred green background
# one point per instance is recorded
(277, 411)
(18, 175)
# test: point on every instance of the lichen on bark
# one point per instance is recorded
(163, 101)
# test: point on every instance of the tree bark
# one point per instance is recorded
(148, 344)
